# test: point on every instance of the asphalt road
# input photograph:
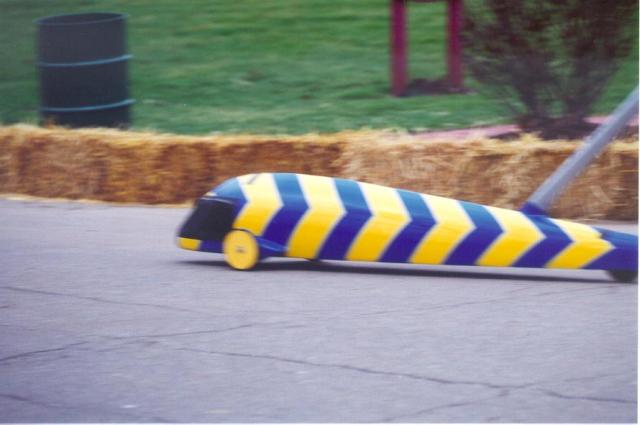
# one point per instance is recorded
(102, 318)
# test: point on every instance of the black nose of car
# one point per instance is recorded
(210, 220)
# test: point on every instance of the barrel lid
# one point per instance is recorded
(90, 18)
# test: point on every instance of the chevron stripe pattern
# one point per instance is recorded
(318, 217)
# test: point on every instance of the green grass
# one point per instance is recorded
(263, 66)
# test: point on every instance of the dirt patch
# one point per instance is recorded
(513, 132)
(424, 86)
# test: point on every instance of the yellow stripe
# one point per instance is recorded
(263, 202)
(191, 244)
(452, 226)
(325, 211)
(520, 235)
(389, 217)
(246, 178)
(587, 246)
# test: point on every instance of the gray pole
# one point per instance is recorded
(542, 198)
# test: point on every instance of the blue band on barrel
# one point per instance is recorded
(85, 63)
(125, 102)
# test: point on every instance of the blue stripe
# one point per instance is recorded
(531, 208)
(231, 189)
(294, 206)
(623, 257)
(555, 240)
(357, 214)
(400, 250)
(211, 246)
(486, 231)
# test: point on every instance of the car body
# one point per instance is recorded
(315, 217)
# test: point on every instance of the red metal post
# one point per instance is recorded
(398, 47)
(454, 50)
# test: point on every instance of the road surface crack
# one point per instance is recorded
(117, 417)
(14, 397)
(438, 307)
(96, 299)
(502, 393)
(574, 290)
(169, 335)
(33, 353)
(586, 398)
(357, 369)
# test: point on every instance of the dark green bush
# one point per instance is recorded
(548, 60)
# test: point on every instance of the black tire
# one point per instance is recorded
(624, 276)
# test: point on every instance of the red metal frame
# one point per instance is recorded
(398, 47)
(398, 41)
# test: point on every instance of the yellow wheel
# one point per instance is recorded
(241, 250)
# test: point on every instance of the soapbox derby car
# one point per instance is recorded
(255, 216)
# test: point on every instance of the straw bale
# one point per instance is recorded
(145, 167)
(607, 189)
(310, 154)
(501, 173)
(150, 168)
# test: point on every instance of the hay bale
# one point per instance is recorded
(310, 154)
(502, 174)
(608, 189)
(118, 166)
(153, 168)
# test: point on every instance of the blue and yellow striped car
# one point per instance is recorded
(255, 216)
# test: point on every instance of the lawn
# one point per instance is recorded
(263, 66)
